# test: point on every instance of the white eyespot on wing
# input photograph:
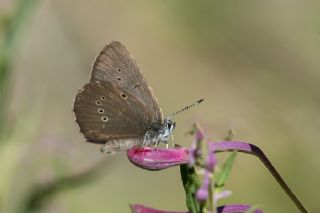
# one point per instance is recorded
(124, 96)
(100, 110)
(104, 118)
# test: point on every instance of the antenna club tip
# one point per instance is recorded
(200, 100)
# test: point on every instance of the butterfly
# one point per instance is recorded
(117, 107)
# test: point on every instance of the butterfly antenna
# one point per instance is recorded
(187, 107)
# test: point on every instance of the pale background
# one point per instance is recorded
(256, 64)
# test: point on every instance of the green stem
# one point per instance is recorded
(210, 199)
(191, 185)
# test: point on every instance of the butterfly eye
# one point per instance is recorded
(104, 118)
(98, 102)
(100, 110)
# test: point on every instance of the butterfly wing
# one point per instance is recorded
(115, 65)
(107, 113)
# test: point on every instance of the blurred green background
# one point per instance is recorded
(256, 64)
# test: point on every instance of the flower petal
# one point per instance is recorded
(195, 149)
(137, 208)
(199, 134)
(236, 208)
(158, 158)
(203, 191)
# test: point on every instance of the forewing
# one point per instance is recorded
(104, 112)
(115, 65)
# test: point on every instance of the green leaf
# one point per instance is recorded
(222, 177)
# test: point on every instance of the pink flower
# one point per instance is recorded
(195, 149)
(137, 208)
(158, 158)
(236, 208)
(203, 191)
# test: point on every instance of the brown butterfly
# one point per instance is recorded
(117, 107)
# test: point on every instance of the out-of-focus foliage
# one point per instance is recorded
(255, 63)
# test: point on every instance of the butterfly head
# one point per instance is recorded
(166, 129)
(157, 134)
(168, 125)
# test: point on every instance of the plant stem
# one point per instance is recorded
(191, 184)
(210, 199)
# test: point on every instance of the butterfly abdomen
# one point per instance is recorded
(116, 145)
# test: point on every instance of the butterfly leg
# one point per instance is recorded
(144, 140)
(157, 141)
(172, 140)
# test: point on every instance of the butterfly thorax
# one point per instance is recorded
(157, 134)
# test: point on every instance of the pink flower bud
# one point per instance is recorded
(158, 158)
(199, 135)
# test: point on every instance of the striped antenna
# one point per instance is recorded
(187, 107)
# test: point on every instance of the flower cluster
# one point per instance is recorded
(202, 154)
(161, 158)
